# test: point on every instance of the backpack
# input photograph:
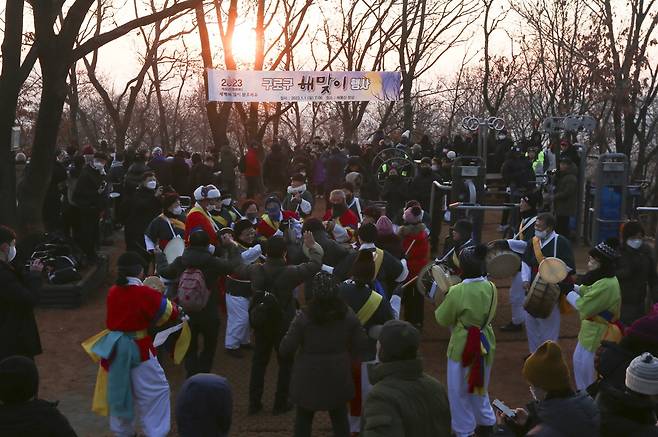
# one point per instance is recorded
(265, 310)
(193, 292)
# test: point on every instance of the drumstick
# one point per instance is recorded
(410, 246)
(410, 281)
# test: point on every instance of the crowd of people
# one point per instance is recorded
(333, 296)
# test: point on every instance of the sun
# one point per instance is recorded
(244, 44)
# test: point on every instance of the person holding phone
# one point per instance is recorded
(557, 408)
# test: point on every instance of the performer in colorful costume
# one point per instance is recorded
(545, 243)
(207, 200)
(270, 223)
(342, 223)
(598, 301)
(130, 375)
(468, 309)
(166, 226)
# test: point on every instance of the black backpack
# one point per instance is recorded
(265, 310)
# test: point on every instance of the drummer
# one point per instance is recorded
(468, 310)
(528, 209)
(168, 225)
(270, 222)
(225, 216)
(238, 292)
(460, 238)
(598, 301)
(207, 200)
(545, 243)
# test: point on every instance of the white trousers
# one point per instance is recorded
(151, 400)
(583, 367)
(355, 421)
(468, 410)
(516, 298)
(237, 322)
(540, 330)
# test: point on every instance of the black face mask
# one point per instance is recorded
(338, 209)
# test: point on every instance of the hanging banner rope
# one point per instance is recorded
(303, 86)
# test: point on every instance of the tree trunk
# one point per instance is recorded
(408, 117)
(164, 133)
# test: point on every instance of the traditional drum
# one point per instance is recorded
(553, 270)
(439, 274)
(541, 299)
(155, 283)
(174, 249)
(501, 263)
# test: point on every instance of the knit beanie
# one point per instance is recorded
(384, 226)
(169, 199)
(399, 340)
(472, 261)
(19, 380)
(412, 215)
(324, 286)
(606, 251)
(645, 329)
(642, 375)
(546, 368)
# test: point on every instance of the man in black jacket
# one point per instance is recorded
(138, 211)
(91, 193)
(278, 280)
(18, 296)
(206, 321)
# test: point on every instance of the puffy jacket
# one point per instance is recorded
(625, 414)
(566, 192)
(636, 272)
(404, 401)
(573, 416)
(35, 418)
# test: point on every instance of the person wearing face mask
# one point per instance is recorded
(468, 309)
(354, 204)
(545, 243)
(636, 272)
(298, 198)
(226, 215)
(18, 296)
(557, 410)
(250, 211)
(270, 223)
(460, 239)
(205, 322)
(341, 222)
(168, 225)
(134, 382)
(598, 302)
(139, 210)
(90, 196)
(207, 199)
(238, 292)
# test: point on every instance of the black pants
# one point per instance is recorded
(413, 302)
(562, 225)
(200, 361)
(265, 342)
(86, 232)
(339, 422)
(252, 186)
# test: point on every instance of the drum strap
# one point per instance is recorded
(536, 246)
(268, 222)
(379, 259)
(206, 215)
(369, 308)
(522, 228)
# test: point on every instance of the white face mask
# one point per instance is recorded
(211, 207)
(12, 253)
(634, 243)
(592, 264)
(211, 249)
(540, 234)
(177, 210)
(227, 202)
(151, 185)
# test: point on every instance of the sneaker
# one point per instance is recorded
(255, 409)
(282, 409)
(235, 353)
(512, 327)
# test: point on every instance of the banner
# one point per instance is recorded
(302, 86)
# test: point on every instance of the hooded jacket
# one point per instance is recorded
(636, 273)
(204, 406)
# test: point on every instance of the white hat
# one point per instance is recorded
(451, 155)
(157, 151)
(642, 375)
(207, 192)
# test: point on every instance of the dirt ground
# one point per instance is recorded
(68, 375)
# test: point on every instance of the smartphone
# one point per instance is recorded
(500, 406)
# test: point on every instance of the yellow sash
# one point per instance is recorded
(174, 222)
(379, 259)
(369, 308)
(536, 247)
(206, 215)
(270, 223)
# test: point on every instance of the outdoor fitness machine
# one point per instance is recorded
(483, 125)
(608, 197)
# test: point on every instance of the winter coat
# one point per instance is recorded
(138, 211)
(335, 170)
(626, 414)
(275, 171)
(212, 268)
(573, 416)
(572, 154)
(324, 360)
(252, 163)
(35, 418)
(85, 194)
(566, 192)
(416, 245)
(391, 243)
(204, 406)
(395, 192)
(180, 176)
(162, 169)
(420, 188)
(135, 176)
(404, 401)
(200, 175)
(518, 173)
(18, 328)
(356, 296)
(636, 272)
